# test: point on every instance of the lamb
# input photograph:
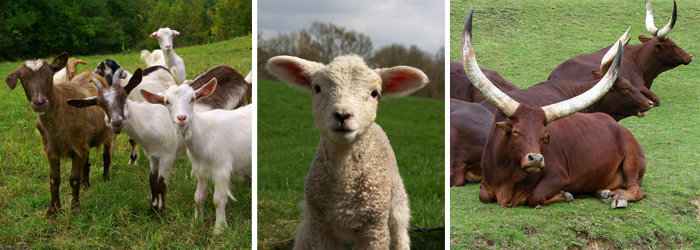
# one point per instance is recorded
(165, 56)
(353, 190)
(67, 73)
(64, 130)
(219, 143)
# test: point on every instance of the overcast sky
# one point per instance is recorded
(407, 22)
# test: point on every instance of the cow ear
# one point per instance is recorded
(293, 70)
(658, 48)
(545, 138)
(596, 74)
(504, 127)
(643, 38)
(152, 98)
(206, 90)
(11, 79)
(59, 62)
(83, 103)
(401, 80)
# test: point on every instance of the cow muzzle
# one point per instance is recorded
(532, 163)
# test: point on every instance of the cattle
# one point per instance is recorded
(586, 154)
(462, 89)
(622, 101)
(469, 127)
(641, 63)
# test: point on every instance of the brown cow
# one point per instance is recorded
(469, 127)
(461, 88)
(588, 154)
(641, 64)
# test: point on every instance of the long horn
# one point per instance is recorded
(661, 34)
(116, 76)
(499, 99)
(564, 108)
(610, 55)
(97, 83)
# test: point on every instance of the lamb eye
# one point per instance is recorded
(317, 88)
(375, 93)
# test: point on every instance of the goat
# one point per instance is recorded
(68, 72)
(166, 55)
(64, 131)
(353, 190)
(219, 143)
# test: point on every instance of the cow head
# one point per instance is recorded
(37, 80)
(665, 51)
(112, 100)
(622, 100)
(524, 128)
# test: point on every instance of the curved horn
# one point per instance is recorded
(97, 83)
(661, 34)
(564, 108)
(610, 55)
(499, 99)
(116, 75)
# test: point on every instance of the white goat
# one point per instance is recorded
(166, 55)
(353, 190)
(219, 143)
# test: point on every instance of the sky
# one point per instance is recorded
(407, 22)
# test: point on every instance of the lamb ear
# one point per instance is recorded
(293, 70)
(134, 81)
(154, 34)
(59, 62)
(83, 103)
(401, 80)
(11, 79)
(152, 98)
(206, 90)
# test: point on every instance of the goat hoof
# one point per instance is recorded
(51, 212)
(105, 176)
(134, 159)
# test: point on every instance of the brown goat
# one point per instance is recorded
(65, 131)
(67, 74)
(237, 90)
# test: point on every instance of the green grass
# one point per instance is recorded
(287, 141)
(524, 41)
(113, 214)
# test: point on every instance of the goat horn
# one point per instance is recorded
(661, 34)
(97, 83)
(115, 76)
(610, 55)
(499, 99)
(562, 109)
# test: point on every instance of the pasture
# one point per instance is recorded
(524, 41)
(287, 141)
(113, 214)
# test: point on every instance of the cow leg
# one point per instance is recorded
(134, 156)
(85, 180)
(107, 158)
(549, 191)
(457, 174)
(54, 184)
(472, 176)
(561, 197)
(75, 178)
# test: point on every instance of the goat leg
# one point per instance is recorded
(134, 156)
(54, 184)
(85, 181)
(107, 158)
(75, 179)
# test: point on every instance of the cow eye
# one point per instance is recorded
(317, 88)
(375, 93)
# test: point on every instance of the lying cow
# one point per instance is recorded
(587, 154)
(461, 88)
(469, 127)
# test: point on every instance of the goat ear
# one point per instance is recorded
(11, 79)
(83, 103)
(206, 90)
(81, 62)
(152, 98)
(401, 80)
(59, 62)
(293, 70)
(134, 81)
(175, 33)
(154, 34)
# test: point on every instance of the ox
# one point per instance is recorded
(461, 88)
(587, 154)
(469, 127)
(641, 63)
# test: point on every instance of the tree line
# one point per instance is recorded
(40, 28)
(324, 41)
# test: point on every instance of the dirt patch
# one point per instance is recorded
(696, 201)
(599, 245)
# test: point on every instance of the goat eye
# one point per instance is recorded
(166, 102)
(375, 93)
(192, 100)
(317, 88)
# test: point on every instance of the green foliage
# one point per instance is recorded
(38, 28)
(524, 41)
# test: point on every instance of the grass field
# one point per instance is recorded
(287, 141)
(113, 214)
(524, 41)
